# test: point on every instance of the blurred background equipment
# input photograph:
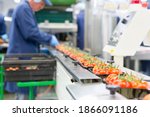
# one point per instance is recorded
(59, 20)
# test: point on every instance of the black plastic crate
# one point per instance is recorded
(29, 67)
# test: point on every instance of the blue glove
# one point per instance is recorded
(54, 42)
(5, 37)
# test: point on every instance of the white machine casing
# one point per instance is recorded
(147, 39)
(129, 33)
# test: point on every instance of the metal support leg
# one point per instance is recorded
(31, 86)
(74, 39)
(136, 66)
(1, 87)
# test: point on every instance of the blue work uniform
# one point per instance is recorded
(80, 33)
(2, 25)
(25, 37)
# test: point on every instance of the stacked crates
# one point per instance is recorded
(53, 16)
(29, 67)
(63, 2)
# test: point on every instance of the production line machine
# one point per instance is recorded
(129, 33)
(75, 81)
(125, 41)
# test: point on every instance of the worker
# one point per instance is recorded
(25, 37)
(3, 34)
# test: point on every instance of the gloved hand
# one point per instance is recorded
(54, 42)
(5, 37)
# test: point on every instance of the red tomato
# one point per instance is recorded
(116, 82)
(128, 85)
(103, 72)
(134, 84)
(123, 84)
(113, 76)
(114, 71)
(142, 86)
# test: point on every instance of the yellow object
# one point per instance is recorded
(112, 51)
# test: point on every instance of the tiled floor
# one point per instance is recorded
(9, 96)
(47, 95)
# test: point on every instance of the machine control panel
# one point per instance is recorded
(129, 33)
(120, 29)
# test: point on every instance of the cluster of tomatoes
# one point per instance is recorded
(12, 68)
(98, 67)
(83, 58)
(71, 52)
(114, 75)
(22, 68)
(104, 69)
(127, 81)
(88, 61)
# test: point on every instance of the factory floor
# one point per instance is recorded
(9, 96)
(44, 93)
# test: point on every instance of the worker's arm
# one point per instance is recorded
(3, 34)
(28, 28)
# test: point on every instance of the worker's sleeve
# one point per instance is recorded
(29, 29)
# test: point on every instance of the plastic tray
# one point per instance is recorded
(63, 2)
(29, 67)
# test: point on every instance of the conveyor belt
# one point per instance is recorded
(80, 74)
(95, 91)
